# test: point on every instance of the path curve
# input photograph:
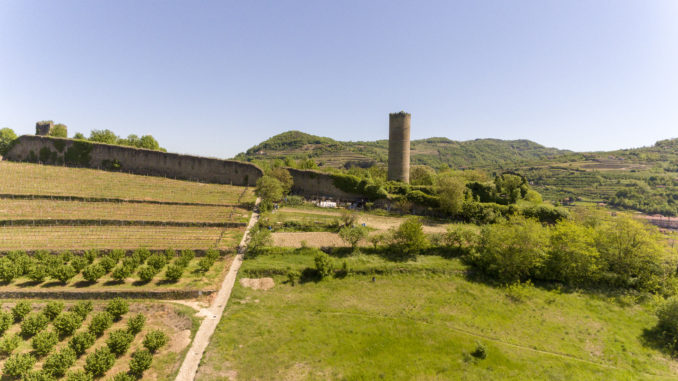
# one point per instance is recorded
(213, 314)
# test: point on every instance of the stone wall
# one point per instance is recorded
(317, 184)
(70, 152)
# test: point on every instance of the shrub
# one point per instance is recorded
(5, 321)
(185, 258)
(119, 341)
(573, 257)
(174, 272)
(155, 340)
(82, 308)
(323, 265)
(142, 254)
(123, 376)
(44, 341)
(122, 272)
(63, 273)
(67, 323)
(479, 352)
(132, 262)
(53, 309)
(33, 323)
(157, 261)
(38, 272)
(79, 375)
(99, 362)
(81, 341)
(352, 235)
(116, 255)
(8, 270)
(78, 263)
(18, 365)
(147, 273)
(58, 363)
(107, 263)
(169, 254)
(204, 264)
(92, 273)
(117, 307)
(91, 255)
(667, 324)
(293, 276)
(22, 262)
(20, 310)
(38, 375)
(140, 362)
(409, 237)
(9, 343)
(136, 323)
(65, 256)
(100, 323)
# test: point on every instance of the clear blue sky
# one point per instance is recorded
(216, 77)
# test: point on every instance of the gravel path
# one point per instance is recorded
(213, 313)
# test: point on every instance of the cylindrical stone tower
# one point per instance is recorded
(399, 146)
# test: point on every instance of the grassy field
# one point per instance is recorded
(116, 237)
(35, 179)
(425, 325)
(53, 209)
(176, 320)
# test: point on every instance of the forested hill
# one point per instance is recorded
(435, 152)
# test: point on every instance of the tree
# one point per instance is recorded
(510, 187)
(59, 130)
(148, 142)
(352, 235)
(409, 237)
(451, 189)
(79, 136)
(7, 136)
(103, 136)
(308, 164)
(284, 177)
(422, 175)
(269, 188)
(573, 256)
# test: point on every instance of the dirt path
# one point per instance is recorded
(214, 312)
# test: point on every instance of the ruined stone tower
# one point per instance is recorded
(44, 128)
(399, 146)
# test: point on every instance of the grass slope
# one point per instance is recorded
(424, 326)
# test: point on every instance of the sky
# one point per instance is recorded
(214, 78)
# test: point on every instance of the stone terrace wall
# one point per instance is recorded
(311, 183)
(70, 152)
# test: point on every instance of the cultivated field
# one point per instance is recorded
(35, 179)
(175, 321)
(424, 324)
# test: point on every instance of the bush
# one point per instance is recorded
(479, 352)
(67, 323)
(5, 321)
(204, 264)
(58, 363)
(117, 307)
(100, 323)
(293, 277)
(352, 235)
(185, 258)
(147, 273)
(157, 261)
(63, 273)
(142, 254)
(33, 323)
(123, 376)
(53, 309)
(78, 263)
(91, 255)
(136, 323)
(140, 362)
(174, 272)
(38, 375)
(99, 362)
(44, 341)
(92, 273)
(79, 376)
(81, 341)
(20, 310)
(115, 255)
(323, 265)
(409, 237)
(122, 272)
(9, 343)
(82, 308)
(107, 263)
(38, 272)
(155, 340)
(18, 365)
(8, 270)
(119, 341)
(667, 324)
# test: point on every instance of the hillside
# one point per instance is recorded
(434, 152)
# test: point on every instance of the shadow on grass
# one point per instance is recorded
(83, 284)
(29, 283)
